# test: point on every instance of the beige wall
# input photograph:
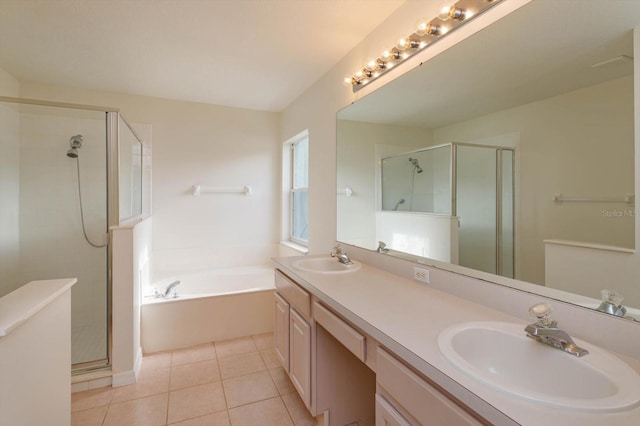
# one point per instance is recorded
(9, 187)
(357, 163)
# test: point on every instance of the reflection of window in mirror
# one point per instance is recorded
(296, 184)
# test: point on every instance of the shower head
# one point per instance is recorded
(75, 142)
(415, 163)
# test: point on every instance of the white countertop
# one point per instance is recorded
(21, 304)
(406, 317)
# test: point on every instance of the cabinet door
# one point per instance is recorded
(386, 415)
(281, 331)
(300, 356)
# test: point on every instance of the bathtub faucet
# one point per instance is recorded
(170, 291)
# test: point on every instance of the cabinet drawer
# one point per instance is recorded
(342, 331)
(424, 402)
(386, 415)
(299, 299)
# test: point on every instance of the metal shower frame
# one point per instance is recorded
(112, 121)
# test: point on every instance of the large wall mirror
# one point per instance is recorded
(510, 154)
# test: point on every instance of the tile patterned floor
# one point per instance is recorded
(237, 382)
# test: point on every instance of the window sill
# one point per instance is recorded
(297, 247)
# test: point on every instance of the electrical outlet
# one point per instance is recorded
(420, 274)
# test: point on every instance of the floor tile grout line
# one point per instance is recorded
(282, 399)
(196, 417)
(224, 393)
(166, 411)
(254, 402)
(166, 414)
(286, 407)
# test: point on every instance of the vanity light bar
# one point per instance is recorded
(426, 33)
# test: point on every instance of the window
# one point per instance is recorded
(296, 177)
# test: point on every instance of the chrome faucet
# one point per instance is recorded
(382, 247)
(341, 256)
(170, 291)
(546, 331)
(171, 288)
(612, 303)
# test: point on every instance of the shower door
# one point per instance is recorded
(484, 187)
(54, 193)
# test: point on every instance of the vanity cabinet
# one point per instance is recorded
(404, 398)
(341, 371)
(292, 333)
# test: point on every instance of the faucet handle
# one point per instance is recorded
(541, 312)
(612, 303)
(336, 250)
(611, 296)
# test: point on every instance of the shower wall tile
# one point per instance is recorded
(168, 262)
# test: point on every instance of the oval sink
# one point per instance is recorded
(501, 356)
(324, 265)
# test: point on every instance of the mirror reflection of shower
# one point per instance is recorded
(463, 200)
(417, 169)
(415, 163)
(75, 143)
(400, 201)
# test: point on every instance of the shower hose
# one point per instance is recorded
(84, 231)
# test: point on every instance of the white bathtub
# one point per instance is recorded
(212, 305)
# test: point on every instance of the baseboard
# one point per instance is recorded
(128, 377)
(138, 363)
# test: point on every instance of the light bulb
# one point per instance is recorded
(347, 81)
(444, 13)
(403, 43)
(390, 55)
(434, 30)
(370, 64)
(421, 26)
(452, 12)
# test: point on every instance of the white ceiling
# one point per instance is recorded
(258, 54)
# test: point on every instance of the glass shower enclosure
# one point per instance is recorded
(474, 183)
(68, 173)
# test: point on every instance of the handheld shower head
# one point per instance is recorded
(75, 142)
(400, 201)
